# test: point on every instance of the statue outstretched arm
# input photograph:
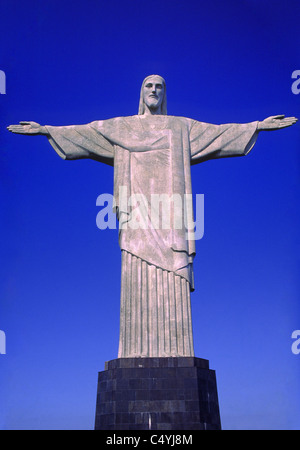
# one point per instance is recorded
(276, 123)
(210, 141)
(71, 142)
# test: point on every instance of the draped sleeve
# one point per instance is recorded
(208, 141)
(81, 141)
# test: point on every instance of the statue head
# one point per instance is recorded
(153, 97)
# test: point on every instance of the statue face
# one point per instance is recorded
(153, 92)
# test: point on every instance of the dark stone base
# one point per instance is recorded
(157, 394)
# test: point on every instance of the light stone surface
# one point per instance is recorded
(152, 153)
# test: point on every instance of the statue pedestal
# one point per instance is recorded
(157, 394)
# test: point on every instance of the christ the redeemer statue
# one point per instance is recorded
(152, 154)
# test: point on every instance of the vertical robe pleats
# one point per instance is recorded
(155, 319)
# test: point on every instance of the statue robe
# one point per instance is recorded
(152, 155)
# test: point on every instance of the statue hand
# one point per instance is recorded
(27, 128)
(276, 123)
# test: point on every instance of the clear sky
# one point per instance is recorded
(75, 62)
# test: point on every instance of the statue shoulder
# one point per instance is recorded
(183, 121)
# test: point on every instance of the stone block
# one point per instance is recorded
(157, 394)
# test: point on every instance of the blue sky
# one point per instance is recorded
(75, 62)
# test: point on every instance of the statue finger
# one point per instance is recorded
(286, 124)
(290, 120)
(16, 128)
(19, 127)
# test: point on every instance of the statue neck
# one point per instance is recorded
(152, 111)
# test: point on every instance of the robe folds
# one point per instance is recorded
(152, 155)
